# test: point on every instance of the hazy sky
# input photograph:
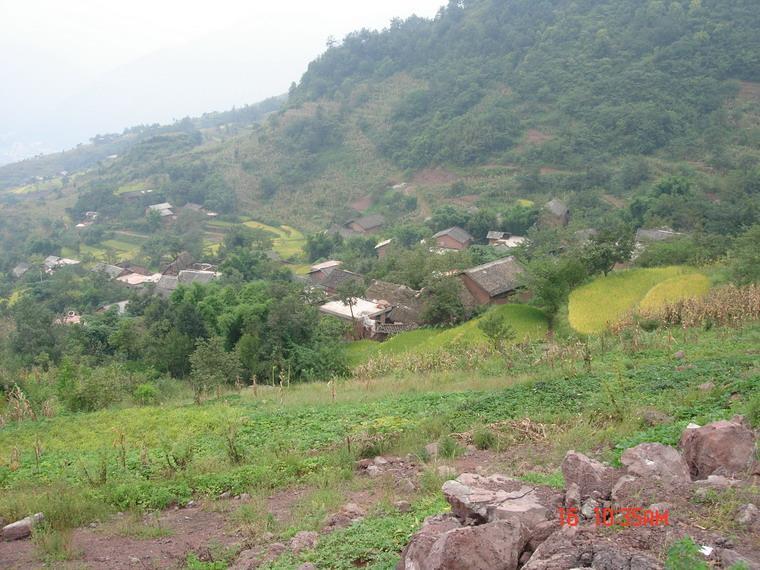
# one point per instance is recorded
(73, 68)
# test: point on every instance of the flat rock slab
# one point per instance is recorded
(486, 499)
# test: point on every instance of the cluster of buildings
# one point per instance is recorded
(389, 308)
(167, 212)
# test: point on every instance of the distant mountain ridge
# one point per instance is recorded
(493, 101)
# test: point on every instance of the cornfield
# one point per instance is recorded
(724, 306)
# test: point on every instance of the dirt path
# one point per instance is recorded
(189, 530)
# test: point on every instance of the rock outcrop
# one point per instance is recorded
(500, 523)
(594, 479)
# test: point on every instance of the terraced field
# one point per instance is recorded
(605, 300)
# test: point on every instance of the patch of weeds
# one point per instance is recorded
(431, 481)
(54, 545)
(140, 527)
(449, 448)
(64, 506)
(719, 508)
(192, 562)
(684, 554)
(373, 542)
(553, 479)
(254, 520)
(753, 411)
(484, 438)
(312, 509)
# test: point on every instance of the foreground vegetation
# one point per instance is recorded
(80, 467)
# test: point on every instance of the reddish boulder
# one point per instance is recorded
(418, 550)
(592, 477)
(725, 447)
(656, 462)
(491, 546)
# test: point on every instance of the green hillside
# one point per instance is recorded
(594, 100)
(529, 324)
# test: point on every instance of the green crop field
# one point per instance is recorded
(289, 241)
(604, 301)
(529, 324)
(131, 187)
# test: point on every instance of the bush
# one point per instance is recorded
(146, 394)
(484, 438)
(684, 555)
(448, 448)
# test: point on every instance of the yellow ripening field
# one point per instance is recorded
(676, 289)
(604, 301)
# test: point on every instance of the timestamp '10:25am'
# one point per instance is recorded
(625, 517)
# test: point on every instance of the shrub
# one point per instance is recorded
(448, 448)
(484, 438)
(684, 555)
(145, 394)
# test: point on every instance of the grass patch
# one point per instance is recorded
(288, 242)
(137, 186)
(604, 301)
(528, 322)
(142, 527)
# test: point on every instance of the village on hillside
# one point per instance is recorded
(375, 308)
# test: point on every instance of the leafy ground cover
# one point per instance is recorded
(593, 307)
(77, 466)
(529, 323)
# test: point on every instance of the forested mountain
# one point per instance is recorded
(607, 77)
(645, 112)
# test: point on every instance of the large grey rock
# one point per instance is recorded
(725, 447)
(656, 462)
(591, 476)
(560, 551)
(491, 546)
(486, 499)
(22, 528)
(730, 557)
(747, 515)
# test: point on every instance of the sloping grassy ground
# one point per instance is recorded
(81, 467)
(529, 324)
(593, 307)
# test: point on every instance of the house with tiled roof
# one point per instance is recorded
(454, 238)
(494, 282)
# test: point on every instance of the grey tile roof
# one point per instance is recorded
(498, 276)
(369, 222)
(192, 276)
(338, 276)
(113, 271)
(459, 234)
